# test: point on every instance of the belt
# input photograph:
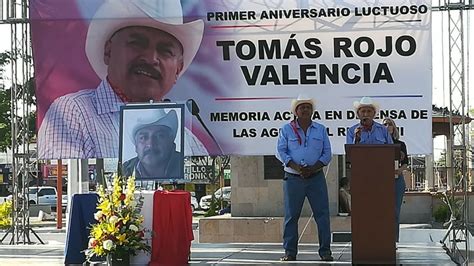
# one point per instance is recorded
(297, 175)
(291, 173)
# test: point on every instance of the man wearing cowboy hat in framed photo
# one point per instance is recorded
(139, 48)
(304, 149)
(154, 135)
(367, 131)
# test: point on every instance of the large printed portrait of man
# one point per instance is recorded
(151, 138)
(137, 50)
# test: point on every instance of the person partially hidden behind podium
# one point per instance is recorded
(367, 131)
(403, 165)
(304, 149)
(344, 196)
(153, 136)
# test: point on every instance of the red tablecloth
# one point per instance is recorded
(172, 228)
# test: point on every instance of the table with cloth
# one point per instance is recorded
(167, 220)
(81, 216)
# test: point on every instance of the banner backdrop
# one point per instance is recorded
(254, 57)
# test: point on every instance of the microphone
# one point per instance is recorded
(194, 109)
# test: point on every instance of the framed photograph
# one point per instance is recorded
(152, 142)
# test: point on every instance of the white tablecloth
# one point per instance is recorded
(147, 212)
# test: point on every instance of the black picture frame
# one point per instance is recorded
(135, 118)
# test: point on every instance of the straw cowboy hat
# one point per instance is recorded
(300, 100)
(156, 117)
(165, 15)
(366, 101)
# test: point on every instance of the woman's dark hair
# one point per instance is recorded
(343, 182)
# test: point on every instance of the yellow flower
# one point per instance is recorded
(126, 218)
(111, 228)
(98, 250)
(104, 206)
(97, 232)
(119, 220)
(121, 238)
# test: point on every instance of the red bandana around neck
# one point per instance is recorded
(120, 93)
(295, 129)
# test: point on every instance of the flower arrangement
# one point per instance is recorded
(6, 214)
(118, 231)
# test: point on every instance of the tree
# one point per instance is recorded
(5, 103)
(5, 119)
(442, 159)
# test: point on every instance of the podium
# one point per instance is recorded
(373, 202)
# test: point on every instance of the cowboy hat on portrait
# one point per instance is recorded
(366, 101)
(300, 100)
(164, 15)
(156, 117)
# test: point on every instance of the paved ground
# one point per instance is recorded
(417, 247)
(235, 253)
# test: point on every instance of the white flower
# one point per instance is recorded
(108, 244)
(91, 241)
(113, 219)
(133, 227)
(133, 204)
(98, 215)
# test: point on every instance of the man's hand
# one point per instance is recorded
(295, 166)
(308, 171)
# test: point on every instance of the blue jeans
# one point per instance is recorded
(295, 190)
(399, 192)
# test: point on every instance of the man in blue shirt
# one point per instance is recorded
(304, 149)
(367, 131)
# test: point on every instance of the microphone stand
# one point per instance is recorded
(194, 109)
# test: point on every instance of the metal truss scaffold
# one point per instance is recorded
(24, 163)
(456, 240)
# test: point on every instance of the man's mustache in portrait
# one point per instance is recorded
(151, 151)
(145, 69)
